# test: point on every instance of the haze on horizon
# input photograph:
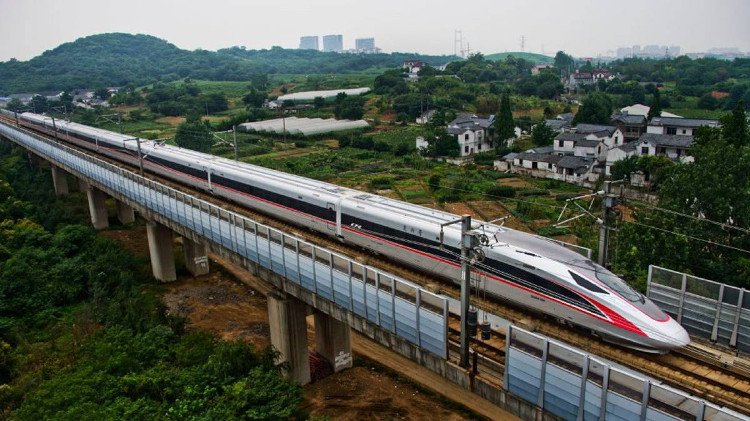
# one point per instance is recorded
(580, 27)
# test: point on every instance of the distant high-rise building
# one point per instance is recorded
(624, 52)
(648, 51)
(364, 45)
(308, 43)
(333, 43)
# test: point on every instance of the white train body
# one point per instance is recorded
(521, 268)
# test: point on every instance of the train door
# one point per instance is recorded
(332, 207)
(208, 178)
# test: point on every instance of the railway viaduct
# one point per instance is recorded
(341, 293)
(528, 375)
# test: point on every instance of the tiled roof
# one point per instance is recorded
(682, 122)
(595, 128)
(574, 162)
(667, 140)
(625, 118)
(586, 143)
(571, 136)
(539, 157)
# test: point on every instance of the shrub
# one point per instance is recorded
(552, 231)
(381, 146)
(500, 191)
(363, 143)
(533, 192)
(433, 181)
(381, 183)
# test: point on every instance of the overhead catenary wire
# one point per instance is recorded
(689, 236)
(696, 218)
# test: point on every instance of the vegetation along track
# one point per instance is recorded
(702, 378)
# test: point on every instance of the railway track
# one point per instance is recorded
(705, 377)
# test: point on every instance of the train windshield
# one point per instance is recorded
(618, 285)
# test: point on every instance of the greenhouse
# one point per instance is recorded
(310, 95)
(303, 126)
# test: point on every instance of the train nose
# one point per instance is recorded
(674, 335)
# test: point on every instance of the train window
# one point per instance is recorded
(585, 283)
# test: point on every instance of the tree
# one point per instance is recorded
(214, 102)
(38, 104)
(14, 104)
(655, 110)
(504, 125)
(441, 143)
(254, 98)
(259, 81)
(715, 187)
(708, 102)
(596, 109)
(734, 128)
(194, 134)
(637, 94)
(542, 134)
(564, 62)
(319, 102)
(349, 107)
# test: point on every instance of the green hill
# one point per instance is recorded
(532, 57)
(118, 59)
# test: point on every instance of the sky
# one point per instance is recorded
(584, 28)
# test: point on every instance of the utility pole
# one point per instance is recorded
(236, 149)
(140, 155)
(609, 201)
(469, 240)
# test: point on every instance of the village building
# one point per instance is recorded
(678, 126)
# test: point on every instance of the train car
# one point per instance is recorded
(520, 268)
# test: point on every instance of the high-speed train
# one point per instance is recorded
(524, 269)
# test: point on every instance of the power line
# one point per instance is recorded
(688, 236)
(697, 218)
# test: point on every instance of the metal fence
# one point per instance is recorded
(394, 304)
(707, 309)
(576, 386)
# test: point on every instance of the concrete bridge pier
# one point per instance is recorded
(59, 180)
(97, 207)
(333, 341)
(160, 250)
(82, 185)
(287, 319)
(125, 212)
(196, 257)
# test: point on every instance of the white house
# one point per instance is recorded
(671, 146)
(425, 117)
(472, 133)
(471, 140)
(678, 126)
(572, 169)
(674, 147)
